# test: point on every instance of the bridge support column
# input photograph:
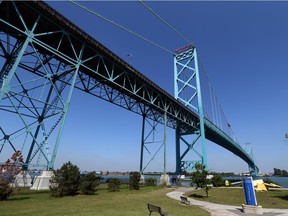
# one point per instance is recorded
(187, 140)
(187, 89)
(142, 144)
(65, 110)
(33, 81)
(178, 155)
(151, 143)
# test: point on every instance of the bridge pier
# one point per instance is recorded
(165, 180)
(42, 182)
(151, 144)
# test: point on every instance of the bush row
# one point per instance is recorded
(67, 181)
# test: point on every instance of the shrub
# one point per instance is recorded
(113, 184)
(5, 190)
(8, 172)
(151, 182)
(89, 183)
(217, 180)
(134, 181)
(65, 181)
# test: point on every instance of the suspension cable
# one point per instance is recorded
(121, 27)
(158, 16)
(217, 100)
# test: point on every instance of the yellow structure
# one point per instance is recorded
(259, 185)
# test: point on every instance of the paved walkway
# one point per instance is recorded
(223, 210)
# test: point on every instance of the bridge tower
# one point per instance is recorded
(36, 85)
(187, 90)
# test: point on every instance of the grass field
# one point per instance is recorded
(124, 202)
(235, 196)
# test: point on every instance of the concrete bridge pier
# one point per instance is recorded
(165, 179)
(42, 182)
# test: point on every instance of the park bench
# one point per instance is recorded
(157, 209)
(184, 200)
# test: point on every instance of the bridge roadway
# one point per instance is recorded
(115, 80)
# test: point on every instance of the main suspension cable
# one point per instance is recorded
(158, 16)
(121, 27)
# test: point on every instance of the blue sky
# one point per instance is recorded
(244, 48)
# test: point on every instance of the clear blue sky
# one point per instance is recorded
(244, 47)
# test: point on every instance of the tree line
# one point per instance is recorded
(279, 172)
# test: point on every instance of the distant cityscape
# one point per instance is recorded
(276, 172)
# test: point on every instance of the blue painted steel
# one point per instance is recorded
(200, 110)
(214, 134)
(38, 115)
(185, 60)
(178, 151)
(7, 77)
(65, 110)
(165, 141)
(188, 91)
(151, 144)
(249, 191)
(55, 49)
(142, 144)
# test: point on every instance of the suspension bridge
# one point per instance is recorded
(45, 57)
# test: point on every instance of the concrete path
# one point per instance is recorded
(223, 210)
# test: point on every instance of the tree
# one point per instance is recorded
(65, 181)
(217, 180)
(113, 184)
(277, 172)
(134, 181)
(8, 172)
(151, 182)
(284, 173)
(89, 183)
(199, 178)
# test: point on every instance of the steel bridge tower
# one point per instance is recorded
(187, 90)
(36, 87)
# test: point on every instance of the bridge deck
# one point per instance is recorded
(46, 36)
(54, 22)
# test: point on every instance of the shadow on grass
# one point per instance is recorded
(285, 197)
(17, 198)
(198, 196)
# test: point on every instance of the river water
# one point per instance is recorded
(282, 181)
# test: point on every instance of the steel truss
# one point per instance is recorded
(45, 62)
(152, 142)
(44, 57)
(187, 90)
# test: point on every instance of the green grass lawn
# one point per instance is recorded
(235, 196)
(124, 202)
